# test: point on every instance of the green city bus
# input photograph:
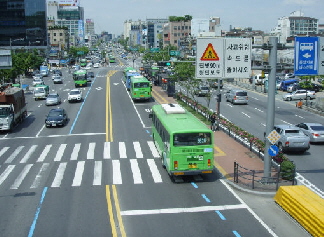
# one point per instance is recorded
(83, 62)
(80, 78)
(112, 59)
(184, 143)
(140, 88)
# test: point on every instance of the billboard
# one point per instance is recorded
(69, 3)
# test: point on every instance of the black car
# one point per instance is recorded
(90, 74)
(57, 71)
(56, 118)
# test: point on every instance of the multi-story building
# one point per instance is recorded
(155, 32)
(295, 25)
(136, 33)
(70, 16)
(174, 31)
(59, 40)
(89, 27)
(23, 23)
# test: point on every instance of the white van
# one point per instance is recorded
(259, 79)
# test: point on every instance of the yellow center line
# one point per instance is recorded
(109, 127)
(110, 212)
(120, 220)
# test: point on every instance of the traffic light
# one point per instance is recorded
(219, 97)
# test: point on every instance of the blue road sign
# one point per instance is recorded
(306, 56)
(273, 150)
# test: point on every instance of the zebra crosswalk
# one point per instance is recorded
(33, 176)
(98, 163)
(92, 151)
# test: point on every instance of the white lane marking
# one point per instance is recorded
(122, 150)
(59, 175)
(14, 154)
(28, 154)
(75, 152)
(299, 116)
(182, 210)
(90, 153)
(78, 174)
(136, 172)
(97, 173)
(117, 179)
(259, 110)
(39, 175)
(249, 209)
(6, 173)
(21, 177)
(60, 152)
(154, 170)
(154, 151)
(246, 115)
(138, 150)
(44, 153)
(106, 154)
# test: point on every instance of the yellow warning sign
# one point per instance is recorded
(209, 54)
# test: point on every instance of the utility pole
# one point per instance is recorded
(273, 41)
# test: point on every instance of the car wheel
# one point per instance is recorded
(289, 98)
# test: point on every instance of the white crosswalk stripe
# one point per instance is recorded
(28, 154)
(14, 154)
(119, 162)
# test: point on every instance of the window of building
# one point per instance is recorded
(61, 34)
(54, 34)
(175, 28)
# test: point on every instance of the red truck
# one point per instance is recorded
(13, 107)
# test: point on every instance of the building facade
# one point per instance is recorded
(23, 23)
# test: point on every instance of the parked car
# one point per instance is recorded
(289, 75)
(75, 95)
(293, 87)
(237, 96)
(57, 79)
(292, 138)
(202, 91)
(299, 95)
(53, 99)
(320, 80)
(56, 117)
(315, 131)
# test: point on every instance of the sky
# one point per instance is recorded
(110, 15)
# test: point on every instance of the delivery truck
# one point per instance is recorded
(13, 107)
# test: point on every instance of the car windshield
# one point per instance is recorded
(317, 128)
(204, 88)
(293, 131)
(191, 139)
(242, 93)
(74, 92)
(52, 96)
(141, 85)
(55, 113)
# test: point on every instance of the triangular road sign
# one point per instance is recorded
(209, 54)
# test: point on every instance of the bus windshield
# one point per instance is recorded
(191, 139)
(141, 85)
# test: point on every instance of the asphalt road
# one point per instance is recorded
(100, 176)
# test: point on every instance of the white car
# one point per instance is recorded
(57, 79)
(96, 65)
(299, 95)
(75, 95)
(38, 81)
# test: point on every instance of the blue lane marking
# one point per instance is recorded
(204, 197)
(76, 118)
(220, 215)
(147, 131)
(32, 227)
(195, 185)
(236, 234)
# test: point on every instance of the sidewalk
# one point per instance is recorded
(228, 151)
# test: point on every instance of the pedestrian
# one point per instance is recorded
(213, 122)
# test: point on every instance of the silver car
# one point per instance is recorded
(315, 131)
(53, 99)
(57, 79)
(299, 95)
(291, 139)
(237, 97)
